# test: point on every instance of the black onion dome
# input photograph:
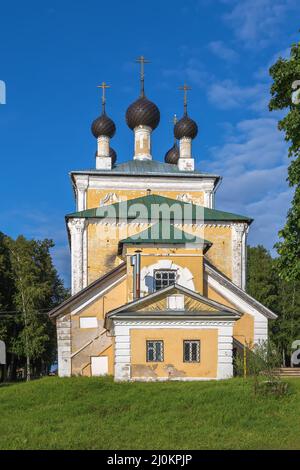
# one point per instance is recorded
(113, 156)
(103, 125)
(185, 127)
(172, 155)
(142, 113)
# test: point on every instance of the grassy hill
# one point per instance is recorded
(96, 413)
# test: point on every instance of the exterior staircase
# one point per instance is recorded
(289, 372)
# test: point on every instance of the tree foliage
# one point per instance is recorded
(30, 288)
(266, 285)
(284, 73)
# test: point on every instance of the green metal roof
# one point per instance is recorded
(164, 233)
(147, 167)
(155, 207)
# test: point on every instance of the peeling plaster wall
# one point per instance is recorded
(130, 350)
(173, 365)
(87, 342)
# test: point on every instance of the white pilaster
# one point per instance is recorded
(239, 254)
(142, 143)
(225, 342)
(103, 160)
(209, 199)
(81, 187)
(63, 328)
(77, 227)
(185, 162)
(122, 353)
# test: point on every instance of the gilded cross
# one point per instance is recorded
(142, 62)
(103, 86)
(185, 89)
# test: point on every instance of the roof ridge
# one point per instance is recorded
(208, 213)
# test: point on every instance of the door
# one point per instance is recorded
(99, 365)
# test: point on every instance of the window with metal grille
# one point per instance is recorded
(164, 278)
(191, 350)
(155, 351)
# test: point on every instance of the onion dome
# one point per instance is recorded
(185, 127)
(113, 156)
(103, 125)
(172, 155)
(142, 113)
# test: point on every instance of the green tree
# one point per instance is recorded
(262, 277)
(37, 289)
(284, 73)
(282, 297)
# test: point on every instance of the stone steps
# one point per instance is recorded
(289, 372)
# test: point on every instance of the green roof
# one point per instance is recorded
(155, 207)
(147, 167)
(164, 233)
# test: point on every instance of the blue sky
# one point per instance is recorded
(52, 56)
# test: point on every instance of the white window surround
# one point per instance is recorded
(184, 276)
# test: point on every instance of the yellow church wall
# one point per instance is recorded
(191, 259)
(213, 295)
(102, 246)
(243, 329)
(220, 253)
(173, 365)
(82, 336)
(108, 352)
(94, 196)
(103, 239)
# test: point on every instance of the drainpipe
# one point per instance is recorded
(136, 263)
(138, 274)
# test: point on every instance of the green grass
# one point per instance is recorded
(94, 413)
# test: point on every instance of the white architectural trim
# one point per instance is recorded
(77, 227)
(100, 293)
(82, 184)
(113, 182)
(184, 275)
(238, 238)
(63, 328)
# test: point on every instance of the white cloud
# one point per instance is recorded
(227, 94)
(257, 21)
(221, 50)
(192, 71)
(253, 162)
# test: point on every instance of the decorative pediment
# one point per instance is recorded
(175, 299)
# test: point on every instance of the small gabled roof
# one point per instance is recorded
(136, 308)
(189, 212)
(162, 233)
(56, 311)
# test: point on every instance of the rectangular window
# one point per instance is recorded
(164, 278)
(155, 351)
(191, 350)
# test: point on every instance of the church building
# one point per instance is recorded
(157, 272)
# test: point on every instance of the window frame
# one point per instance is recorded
(198, 342)
(163, 271)
(161, 352)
